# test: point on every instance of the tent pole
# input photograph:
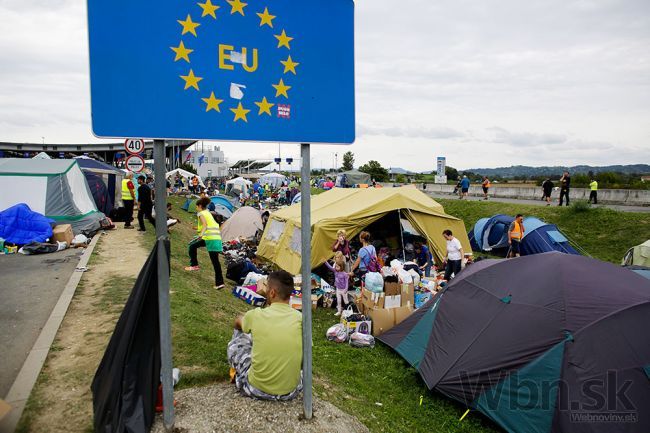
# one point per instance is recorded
(305, 249)
(164, 315)
(401, 233)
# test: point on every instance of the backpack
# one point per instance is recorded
(372, 265)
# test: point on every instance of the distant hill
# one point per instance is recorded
(523, 170)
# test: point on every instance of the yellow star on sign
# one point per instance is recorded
(240, 113)
(208, 9)
(289, 65)
(266, 18)
(181, 52)
(236, 6)
(191, 80)
(188, 25)
(283, 40)
(281, 89)
(213, 103)
(265, 106)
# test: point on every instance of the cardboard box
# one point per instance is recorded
(392, 289)
(402, 313)
(408, 294)
(392, 301)
(4, 409)
(382, 320)
(372, 300)
(62, 233)
(296, 302)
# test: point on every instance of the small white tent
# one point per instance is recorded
(56, 188)
(238, 185)
(274, 179)
(171, 175)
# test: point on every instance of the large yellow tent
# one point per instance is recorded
(353, 210)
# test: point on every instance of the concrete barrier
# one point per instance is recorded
(630, 197)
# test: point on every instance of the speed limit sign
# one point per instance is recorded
(134, 146)
(135, 163)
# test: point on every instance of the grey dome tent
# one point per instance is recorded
(351, 178)
(520, 340)
(55, 188)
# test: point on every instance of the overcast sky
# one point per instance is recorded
(486, 84)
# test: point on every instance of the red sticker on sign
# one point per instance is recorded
(284, 111)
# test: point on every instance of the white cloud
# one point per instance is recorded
(557, 82)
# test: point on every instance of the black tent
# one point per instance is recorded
(126, 382)
(544, 343)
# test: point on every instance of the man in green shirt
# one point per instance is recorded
(266, 349)
(593, 195)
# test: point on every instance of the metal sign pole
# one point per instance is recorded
(163, 284)
(305, 237)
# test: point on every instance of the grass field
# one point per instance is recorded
(375, 385)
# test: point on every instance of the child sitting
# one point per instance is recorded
(341, 280)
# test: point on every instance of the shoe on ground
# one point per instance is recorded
(140, 230)
(129, 227)
(192, 268)
(219, 287)
(171, 222)
(338, 313)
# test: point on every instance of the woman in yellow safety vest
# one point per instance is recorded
(208, 236)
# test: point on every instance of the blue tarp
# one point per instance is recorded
(20, 225)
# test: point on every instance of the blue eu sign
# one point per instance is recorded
(267, 70)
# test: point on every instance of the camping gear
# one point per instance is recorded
(503, 333)
(55, 188)
(20, 225)
(63, 233)
(42, 248)
(491, 234)
(354, 209)
(360, 339)
(126, 382)
(374, 282)
(275, 180)
(337, 333)
(236, 186)
(350, 178)
(639, 255)
(105, 182)
(641, 270)
(249, 296)
(171, 176)
(244, 224)
(228, 202)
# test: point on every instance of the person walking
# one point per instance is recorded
(565, 185)
(515, 235)
(486, 187)
(128, 198)
(464, 186)
(208, 236)
(547, 188)
(593, 194)
(454, 259)
(145, 204)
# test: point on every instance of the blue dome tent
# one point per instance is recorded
(491, 234)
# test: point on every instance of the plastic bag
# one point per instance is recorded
(358, 339)
(374, 282)
(252, 278)
(337, 333)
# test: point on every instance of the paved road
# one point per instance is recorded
(30, 286)
(644, 209)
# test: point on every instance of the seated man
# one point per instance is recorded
(266, 348)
